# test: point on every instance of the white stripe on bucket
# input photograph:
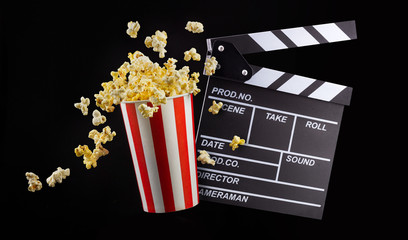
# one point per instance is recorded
(191, 149)
(170, 130)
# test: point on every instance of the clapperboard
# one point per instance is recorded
(290, 123)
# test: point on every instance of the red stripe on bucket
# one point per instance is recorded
(180, 119)
(162, 161)
(137, 143)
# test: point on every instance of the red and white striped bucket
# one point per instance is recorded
(163, 153)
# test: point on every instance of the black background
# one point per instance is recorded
(54, 53)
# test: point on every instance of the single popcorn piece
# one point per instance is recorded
(194, 27)
(33, 183)
(146, 111)
(83, 151)
(204, 158)
(158, 97)
(157, 42)
(215, 108)
(57, 176)
(89, 160)
(193, 83)
(89, 157)
(98, 118)
(133, 28)
(210, 65)
(83, 105)
(192, 54)
(236, 141)
(102, 137)
(98, 152)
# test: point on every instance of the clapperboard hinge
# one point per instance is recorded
(229, 52)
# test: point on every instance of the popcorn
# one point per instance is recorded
(83, 151)
(204, 158)
(158, 97)
(102, 137)
(90, 158)
(33, 183)
(57, 176)
(194, 27)
(99, 151)
(118, 95)
(193, 83)
(236, 141)
(83, 105)
(104, 102)
(210, 65)
(215, 108)
(133, 28)
(98, 118)
(192, 53)
(141, 79)
(157, 42)
(147, 111)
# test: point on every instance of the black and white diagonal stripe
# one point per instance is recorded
(299, 85)
(291, 37)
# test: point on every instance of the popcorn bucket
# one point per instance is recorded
(163, 153)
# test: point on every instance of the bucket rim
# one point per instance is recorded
(144, 101)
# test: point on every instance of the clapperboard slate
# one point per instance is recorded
(290, 124)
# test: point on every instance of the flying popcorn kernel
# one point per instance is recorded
(133, 28)
(98, 152)
(192, 54)
(194, 27)
(210, 65)
(98, 118)
(89, 157)
(102, 137)
(215, 108)
(193, 83)
(204, 158)
(170, 64)
(83, 151)
(236, 141)
(57, 176)
(146, 111)
(157, 42)
(83, 105)
(33, 183)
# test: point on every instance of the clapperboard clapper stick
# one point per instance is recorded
(290, 124)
